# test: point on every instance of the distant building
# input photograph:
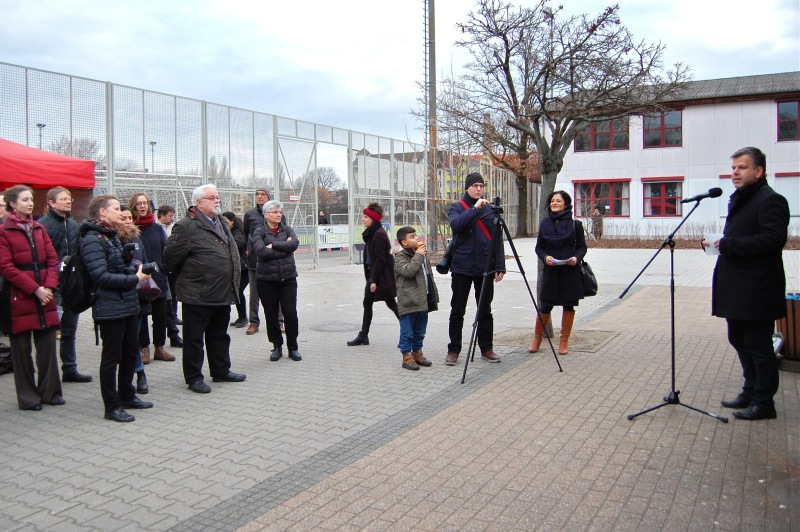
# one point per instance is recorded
(637, 170)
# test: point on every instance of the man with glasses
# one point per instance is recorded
(472, 221)
(253, 219)
(203, 255)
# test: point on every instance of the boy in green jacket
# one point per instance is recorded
(416, 296)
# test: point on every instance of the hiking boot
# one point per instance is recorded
(420, 359)
(252, 329)
(361, 339)
(452, 359)
(161, 354)
(409, 362)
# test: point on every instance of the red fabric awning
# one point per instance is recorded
(22, 165)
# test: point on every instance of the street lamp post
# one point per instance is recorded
(41, 126)
(152, 156)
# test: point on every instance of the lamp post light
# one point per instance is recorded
(152, 156)
(41, 126)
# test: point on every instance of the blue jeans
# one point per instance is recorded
(412, 331)
(139, 365)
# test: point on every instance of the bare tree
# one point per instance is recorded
(218, 170)
(328, 179)
(81, 147)
(536, 80)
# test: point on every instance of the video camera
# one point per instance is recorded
(148, 268)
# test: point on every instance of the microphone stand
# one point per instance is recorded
(672, 398)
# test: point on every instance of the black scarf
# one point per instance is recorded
(558, 229)
(742, 195)
(370, 231)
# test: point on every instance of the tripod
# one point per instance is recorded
(496, 234)
(671, 398)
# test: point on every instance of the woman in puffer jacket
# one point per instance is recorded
(29, 266)
(115, 306)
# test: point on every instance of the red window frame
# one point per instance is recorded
(608, 132)
(666, 128)
(788, 128)
(667, 205)
(609, 203)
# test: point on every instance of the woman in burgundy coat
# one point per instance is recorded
(29, 266)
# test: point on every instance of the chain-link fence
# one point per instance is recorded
(166, 145)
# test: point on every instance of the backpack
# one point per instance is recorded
(75, 284)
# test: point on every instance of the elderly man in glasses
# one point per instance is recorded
(202, 253)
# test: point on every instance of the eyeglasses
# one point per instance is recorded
(139, 203)
(275, 212)
(211, 198)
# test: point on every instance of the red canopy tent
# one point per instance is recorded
(22, 165)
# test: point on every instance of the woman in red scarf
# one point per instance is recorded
(29, 266)
(154, 239)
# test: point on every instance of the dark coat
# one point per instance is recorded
(241, 245)
(206, 262)
(562, 284)
(380, 269)
(26, 264)
(275, 264)
(154, 239)
(749, 282)
(253, 219)
(63, 233)
(113, 281)
(472, 252)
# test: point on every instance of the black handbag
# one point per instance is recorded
(589, 280)
(587, 275)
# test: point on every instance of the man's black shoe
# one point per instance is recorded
(36, 408)
(741, 401)
(178, 321)
(295, 355)
(120, 416)
(240, 323)
(176, 341)
(754, 412)
(55, 403)
(231, 377)
(137, 404)
(4, 348)
(276, 355)
(199, 387)
(76, 377)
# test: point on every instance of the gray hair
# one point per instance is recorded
(272, 204)
(756, 155)
(200, 192)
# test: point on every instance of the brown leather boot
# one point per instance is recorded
(567, 318)
(409, 362)
(161, 354)
(420, 359)
(146, 355)
(538, 333)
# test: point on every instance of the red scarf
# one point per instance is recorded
(146, 220)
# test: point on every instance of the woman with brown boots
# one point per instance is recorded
(561, 246)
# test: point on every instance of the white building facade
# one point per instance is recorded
(636, 171)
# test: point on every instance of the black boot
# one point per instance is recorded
(141, 383)
(361, 339)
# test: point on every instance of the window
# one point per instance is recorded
(787, 184)
(611, 197)
(663, 130)
(662, 198)
(604, 135)
(788, 120)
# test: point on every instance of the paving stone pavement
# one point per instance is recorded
(346, 439)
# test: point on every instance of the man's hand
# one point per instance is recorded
(373, 287)
(498, 276)
(481, 203)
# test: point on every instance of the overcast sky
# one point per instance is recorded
(354, 64)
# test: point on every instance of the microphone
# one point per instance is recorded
(712, 193)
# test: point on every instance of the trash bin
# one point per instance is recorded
(789, 328)
(360, 248)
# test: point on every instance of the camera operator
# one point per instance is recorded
(115, 306)
(474, 217)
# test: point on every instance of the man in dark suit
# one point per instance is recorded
(202, 253)
(749, 284)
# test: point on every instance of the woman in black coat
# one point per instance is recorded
(378, 270)
(274, 243)
(237, 230)
(561, 246)
(115, 305)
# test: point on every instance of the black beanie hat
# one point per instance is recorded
(474, 177)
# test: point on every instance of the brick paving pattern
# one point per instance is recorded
(346, 439)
